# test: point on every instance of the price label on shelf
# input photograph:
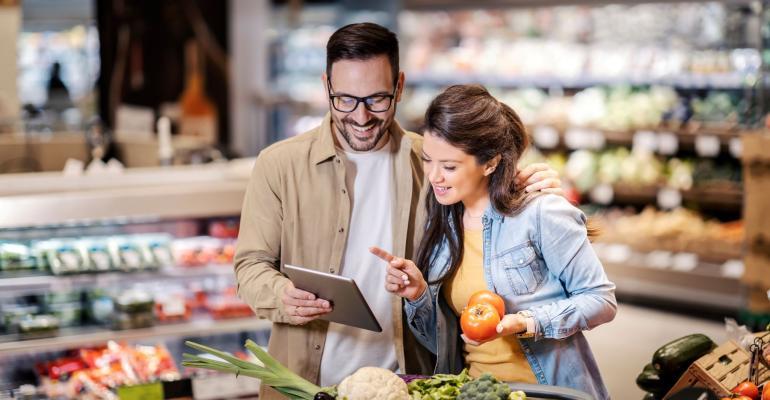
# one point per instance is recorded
(669, 198)
(545, 137)
(736, 147)
(602, 194)
(668, 143)
(151, 391)
(582, 138)
(707, 145)
(644, 142)
(658, 259)
(733, 269)
(617, 253)
(685, 262)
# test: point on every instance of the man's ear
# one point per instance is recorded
(400, 85)
(492, 165)
(325, 80)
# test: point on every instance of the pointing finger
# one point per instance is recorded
(384, 255)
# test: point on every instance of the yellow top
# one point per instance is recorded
(503, 356)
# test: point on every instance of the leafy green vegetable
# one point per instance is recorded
(271, 372)
(439, 386)
(486, 387)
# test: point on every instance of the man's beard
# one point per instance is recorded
(348, 132)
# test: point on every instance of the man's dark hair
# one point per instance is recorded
(362, 42)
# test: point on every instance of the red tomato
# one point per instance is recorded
(479, 321)
(486, 296)
(748, 389)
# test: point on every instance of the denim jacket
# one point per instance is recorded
(538, 260)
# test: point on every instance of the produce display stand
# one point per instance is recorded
(721, 370)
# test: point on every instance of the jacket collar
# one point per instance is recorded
(492, 214)
(325, 148)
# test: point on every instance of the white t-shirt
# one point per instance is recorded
(370, 182)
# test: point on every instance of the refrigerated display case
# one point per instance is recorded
(140, 257)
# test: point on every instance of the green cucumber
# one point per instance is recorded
(650, 380)
(673, 358)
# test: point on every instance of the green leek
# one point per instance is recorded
(271, 373)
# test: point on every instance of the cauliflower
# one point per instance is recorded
(372, 383)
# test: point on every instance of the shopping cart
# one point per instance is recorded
(546, 392)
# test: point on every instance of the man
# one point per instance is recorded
(321, 199)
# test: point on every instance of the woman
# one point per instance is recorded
(484, 232)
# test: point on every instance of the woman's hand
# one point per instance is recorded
(403, 278)
(539, 176)
(511, 324)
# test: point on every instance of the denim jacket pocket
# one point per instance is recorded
(521, 269)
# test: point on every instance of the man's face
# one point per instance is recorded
(362, 129)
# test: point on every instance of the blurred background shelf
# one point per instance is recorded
(704, 290)
(75, 337)
(727, 81)
(18, 283)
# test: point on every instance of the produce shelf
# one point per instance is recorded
(20, 284)
(703, 288)
(723, 199)
(460, 4)
(77, 337)
(684, 81)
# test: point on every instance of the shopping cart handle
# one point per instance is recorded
(550, 392)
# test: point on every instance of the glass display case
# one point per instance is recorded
(122, 261)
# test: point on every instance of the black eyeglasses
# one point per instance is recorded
(374, 103)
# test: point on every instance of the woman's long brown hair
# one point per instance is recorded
(469, 118)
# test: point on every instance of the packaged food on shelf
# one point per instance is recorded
(63, 256)
(14, 313)
(227, 304)
(97, 372)
(68, 314)
(127, 254)
(203, 250)
(172, 306)
(100, 306)
(224, 229)
(134, 309)
(137, 320)
(16, 256)
(41, 325)
(134, 301)
(98, 254)
(159, 247)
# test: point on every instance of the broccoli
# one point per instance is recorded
(486, 387)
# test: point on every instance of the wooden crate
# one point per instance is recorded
(721, 370)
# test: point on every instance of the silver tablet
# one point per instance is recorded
(348, 304)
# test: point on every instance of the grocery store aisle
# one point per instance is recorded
(626, 344)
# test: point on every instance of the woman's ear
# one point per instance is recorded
(492, 165)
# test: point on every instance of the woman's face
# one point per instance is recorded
(454, 175)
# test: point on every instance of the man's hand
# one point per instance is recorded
(539, 176)
(301, 306)
(403, 278)
(511, 324)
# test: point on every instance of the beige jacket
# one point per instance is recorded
(297, 211)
